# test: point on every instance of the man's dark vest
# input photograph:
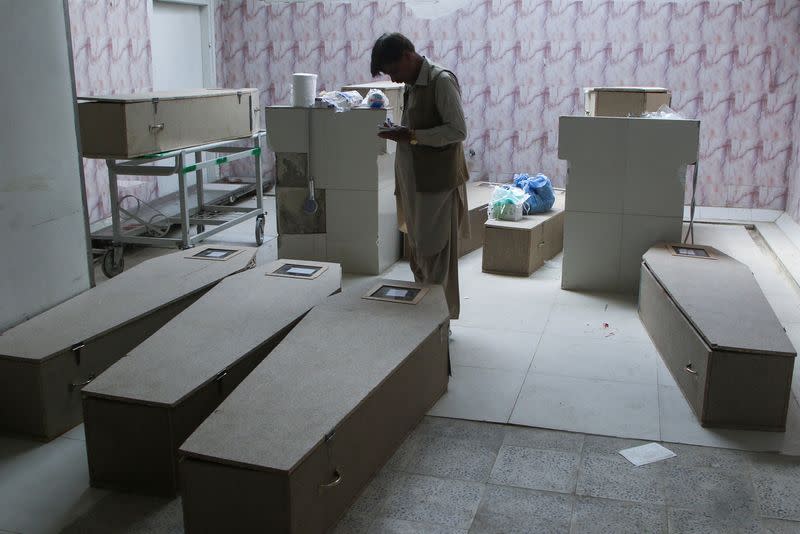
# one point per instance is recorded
(436, 169)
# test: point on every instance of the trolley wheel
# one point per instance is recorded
(109, 268)
(260, 223)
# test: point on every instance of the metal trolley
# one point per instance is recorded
(216, 216)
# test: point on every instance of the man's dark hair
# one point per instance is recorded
(387, 49)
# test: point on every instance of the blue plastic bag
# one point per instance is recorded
(542, 197)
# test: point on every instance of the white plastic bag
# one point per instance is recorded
(507, 203)
(338, 100)
(664, 112)
(375, 99)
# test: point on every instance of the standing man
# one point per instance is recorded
(430, 168)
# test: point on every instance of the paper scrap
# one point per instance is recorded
(647, 454)
(396, 293)
(216, 253)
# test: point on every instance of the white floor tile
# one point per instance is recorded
(606, 359)
(471, 262)
(773, 285)
(76, 433)
(480, 394)
(596, 300)
(786, 307)
(500, 304)
(597, 323)
(588, 405)
(399, 271)
(43, 486)
(665, 378)
(793, 331)
(493, 349)
(680, 425)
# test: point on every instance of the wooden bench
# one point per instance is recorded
(143, 407)
(718, 336)
(521, 247)
(291, 448)
(46, 360)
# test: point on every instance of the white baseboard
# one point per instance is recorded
(741, 215)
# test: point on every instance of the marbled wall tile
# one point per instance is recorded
(743, 196)
(733, 65)
(772, 198)
(111, 54)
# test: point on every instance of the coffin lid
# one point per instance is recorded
(233, 319)
(141, 290)
(166, 95)
(722, 300)
(323, 370)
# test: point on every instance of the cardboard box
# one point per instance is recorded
(718, 336)
(128, 126)
(46, 360)
(291, 448)
(624, 101)
(143, 407)
(356, 224)
(393, 91)
(521, 247)
(626, 190)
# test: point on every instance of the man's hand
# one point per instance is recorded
(400, 135)
(395, 132)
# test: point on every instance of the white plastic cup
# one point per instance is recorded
(304, 89)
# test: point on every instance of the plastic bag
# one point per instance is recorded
(507, 203)
(664, 112)
(375, 99)
(338, 100)
(542, 197)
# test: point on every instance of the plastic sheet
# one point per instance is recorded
(507, 203)
(376, 99)
(338, 100)
(542, 197)
(664, 112)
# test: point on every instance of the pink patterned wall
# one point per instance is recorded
(111, 53)
(793, 201)
(733, 64)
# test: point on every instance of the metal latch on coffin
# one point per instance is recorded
(78, 385)
(218, 379)
(337, 471)
(76, 350)
(159, 125)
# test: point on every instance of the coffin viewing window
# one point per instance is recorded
(296, 270)
(219, 254)
(396, 293)
(691, 251)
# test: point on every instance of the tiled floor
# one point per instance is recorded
(527, 353)
(478, 478)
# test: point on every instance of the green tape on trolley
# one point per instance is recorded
(190, 168)
(221, 160)
(257, 151)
